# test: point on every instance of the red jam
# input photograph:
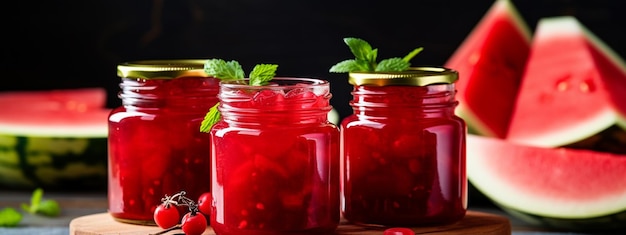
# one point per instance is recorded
(275, 159)
(155, 146)
(403, 151)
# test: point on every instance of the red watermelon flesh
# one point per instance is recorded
(551, 182)
(574, 87)
(66, 99)
(54, 113)
(490, 62)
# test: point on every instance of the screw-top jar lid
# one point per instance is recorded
(415, 76)
(162, 69)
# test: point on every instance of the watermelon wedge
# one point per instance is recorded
(53, 139)
(574, 87)
(490, 62)
(558, 187)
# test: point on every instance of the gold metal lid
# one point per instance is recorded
(415, 76)
(162, 69)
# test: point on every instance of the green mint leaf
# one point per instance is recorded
(9, 217)
(372, 56)
(35, 199)
(349, 66)
(224, 70)
(370, 64)
(40, 206)
(211, 117)
(392, 65)
(262, 73)
(359, 48)
(49, 208)
(412, 54)
(26, 207)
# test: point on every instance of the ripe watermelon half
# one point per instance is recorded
(54, 139)
(574, 87)
(490, 63)
(556, 187)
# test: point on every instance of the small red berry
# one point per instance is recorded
(166, 216)
(399, 231)
(204, 203)
(194, 223)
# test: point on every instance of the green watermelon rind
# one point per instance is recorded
(512, 197)
(611, 222)
(76, 163)
(569, 25)
(520, 202)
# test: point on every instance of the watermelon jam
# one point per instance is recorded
(275, 159)
(403, 150)
(155, 146)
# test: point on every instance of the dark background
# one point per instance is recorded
(71, 44)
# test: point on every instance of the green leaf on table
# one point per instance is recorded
(9, 217)
(49, 208)
(40, 206)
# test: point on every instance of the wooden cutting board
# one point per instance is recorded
(473, 223)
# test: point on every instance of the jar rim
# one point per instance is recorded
(162, 69)
(414, 76)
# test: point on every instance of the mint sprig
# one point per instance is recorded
(10, 217)
(366, 59)
(41, 206)
(261, 74)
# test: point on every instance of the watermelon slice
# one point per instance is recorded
(53, 139)
(568, 188)
(574, 87)
(490, 63)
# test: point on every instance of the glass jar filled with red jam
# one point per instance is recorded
(403, 149)
(275, 159)
(155, 146)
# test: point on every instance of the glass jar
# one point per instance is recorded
(275, 159)
(403, 150)
(155, 144)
